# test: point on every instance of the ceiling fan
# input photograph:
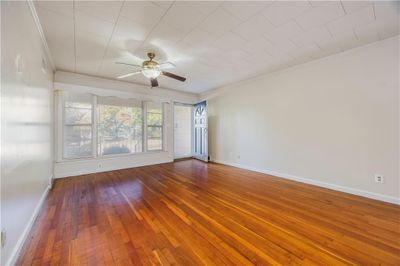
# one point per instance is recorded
(152, 69)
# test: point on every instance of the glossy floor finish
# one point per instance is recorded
(193, 213)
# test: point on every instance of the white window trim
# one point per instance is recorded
(60, 128)
(64, 125)
(144, 123)
(163, 111)
(120, 154)
(94, 128)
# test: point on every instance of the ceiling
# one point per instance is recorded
(212, 43)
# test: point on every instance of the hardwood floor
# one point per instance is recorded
(191, 213)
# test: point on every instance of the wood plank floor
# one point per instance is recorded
(193, 213)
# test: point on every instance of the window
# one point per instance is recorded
(119, 127)
(94, 126)
(154, 123)
(78, 122)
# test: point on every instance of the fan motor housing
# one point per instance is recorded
(149, 64)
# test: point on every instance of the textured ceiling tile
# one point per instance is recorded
(105, 10)
(165, 34)
(183, 17)
(349, 22)
(219, 22)
(319, 3)
(199, 38)
(130, 30)
(205, 7)
(256, 45)
(92, 25)
(311, 36)
(145, 13)
(253, 27)
(282, 11)
(384, 28)
(245, 9)
(280, 48)
(320, 15)
(344, 41)
(350, 6)
(284, 32)
(229, 41)
(163, 4)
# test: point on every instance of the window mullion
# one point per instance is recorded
(163, 135)
(144, 123)
(59, 125)
(94, 126)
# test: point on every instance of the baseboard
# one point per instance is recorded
(358, 192)
(20, 243)
(97, 165)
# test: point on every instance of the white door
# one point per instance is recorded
(200, 128)
(182, 131)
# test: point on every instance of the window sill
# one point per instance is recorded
(111, 156)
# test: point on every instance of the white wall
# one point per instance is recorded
(107, 87)
(333, 122)
(26, 125)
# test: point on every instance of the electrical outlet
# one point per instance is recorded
(378, 178)
(3, 238)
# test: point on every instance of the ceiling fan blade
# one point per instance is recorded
(129, 74)
(170, 75)
(127, 64)
(154, 82)
(167, 65)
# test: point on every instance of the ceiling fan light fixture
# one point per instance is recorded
(151, 70)
(151, 73)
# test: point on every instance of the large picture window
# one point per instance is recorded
(97, 126)
(119, 126)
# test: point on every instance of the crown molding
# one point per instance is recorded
(40, 30)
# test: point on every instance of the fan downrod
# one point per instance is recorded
(151, 56)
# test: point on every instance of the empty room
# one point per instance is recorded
(200, 133)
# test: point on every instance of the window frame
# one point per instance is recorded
(62, 125)
(156, 126)
(65, 125)
(118, 154)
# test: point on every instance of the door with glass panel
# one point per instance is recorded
(200, 128)
(182, 130)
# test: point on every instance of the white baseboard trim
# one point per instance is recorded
(20, 243)
(106, 169)
(104, 164)
(358, 192)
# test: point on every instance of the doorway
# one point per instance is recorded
(182, 130)
(200, 147)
